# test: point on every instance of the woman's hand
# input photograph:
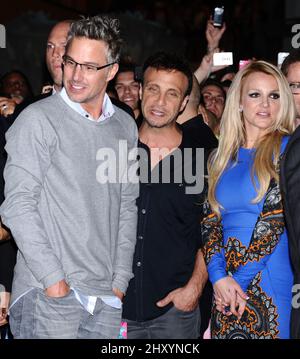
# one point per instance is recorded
(230, 298)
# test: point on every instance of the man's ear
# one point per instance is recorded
(184, 102)
(112, 72)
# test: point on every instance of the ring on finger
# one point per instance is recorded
(227, 308)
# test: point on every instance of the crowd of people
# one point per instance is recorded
(149, 197)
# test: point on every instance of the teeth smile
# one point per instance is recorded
(77, 87)
(157, 113)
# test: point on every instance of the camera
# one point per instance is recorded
(218, 16)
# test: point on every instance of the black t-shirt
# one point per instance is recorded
(168, 236)
(123, 106)
(200, 132)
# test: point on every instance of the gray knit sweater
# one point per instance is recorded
(66, 223)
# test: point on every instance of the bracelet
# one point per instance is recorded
(210, 49)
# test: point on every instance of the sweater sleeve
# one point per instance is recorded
(128, 220)
(29, 157)
(212, 236)
(265, 237)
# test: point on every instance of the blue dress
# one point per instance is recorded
(258, 260)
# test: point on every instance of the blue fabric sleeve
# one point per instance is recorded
(265, 237)
(216, 267)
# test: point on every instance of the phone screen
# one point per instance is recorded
(218, 16)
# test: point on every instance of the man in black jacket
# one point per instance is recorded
(290, 178)
(290, 186)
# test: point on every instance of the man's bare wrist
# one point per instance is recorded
(211, 49)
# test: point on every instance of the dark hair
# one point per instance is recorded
(126, 67)
(226, 83)
(293, 57)
(170, 61)
(102, 28)
(211, 82)
(130, 67)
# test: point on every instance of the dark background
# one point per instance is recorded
(257, 28)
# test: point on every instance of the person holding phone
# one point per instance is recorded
(213, 36)
(246, 245)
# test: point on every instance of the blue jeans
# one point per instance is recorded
(174, 324)
(37, 316)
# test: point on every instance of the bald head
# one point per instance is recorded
(56, 44)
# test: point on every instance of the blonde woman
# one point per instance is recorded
(246, 246)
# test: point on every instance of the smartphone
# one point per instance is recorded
(218, 16)
(280, 58)
(243, 63)
(222, 59)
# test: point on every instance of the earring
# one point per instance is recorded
(241, 108)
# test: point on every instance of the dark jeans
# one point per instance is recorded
(174, 324)
(37, 316)
(5, 332)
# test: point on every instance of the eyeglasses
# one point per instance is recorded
(208, 99)
(295, 87)
(85, 68)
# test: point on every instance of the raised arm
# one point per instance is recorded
(213, 36)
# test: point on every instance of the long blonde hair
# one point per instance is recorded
(233, 136)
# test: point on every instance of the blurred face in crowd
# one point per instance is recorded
(85, 84)
(128, 89)
(55, 50)
(260, 102)
(163, 96)
(293, 77)
(15, 86)
(213, 99)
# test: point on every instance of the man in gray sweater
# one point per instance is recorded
(69, 202)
